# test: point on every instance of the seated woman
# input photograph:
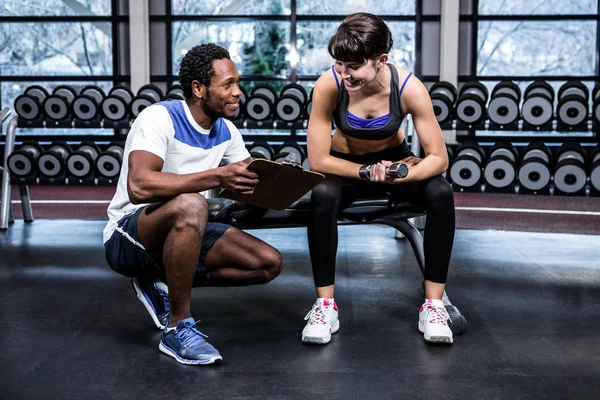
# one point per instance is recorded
(368, 99)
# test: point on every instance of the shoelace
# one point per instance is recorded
(439, 315)
(190, 336)
(316, 315)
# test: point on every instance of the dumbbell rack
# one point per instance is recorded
(5, 203)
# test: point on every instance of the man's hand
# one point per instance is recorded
(236, 178)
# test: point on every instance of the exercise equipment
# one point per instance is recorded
(466, 170)
(538, 104)
(503, 108)
(22, 163)
(470, 106)
(443, 97)
(572, 108)
(51, 164)
(500, 170)
(81, 163)
(569, 171)
(534, 173)
(108, 163)
(261, 149)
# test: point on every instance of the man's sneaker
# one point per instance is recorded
(155, 297)
(322, 322)
(433, 322)
(188, 345)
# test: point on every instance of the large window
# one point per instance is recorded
(57, 42)
(543, 38)
(280, 39)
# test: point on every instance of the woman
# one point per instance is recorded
(368, 99)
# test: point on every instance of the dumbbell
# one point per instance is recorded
(146, 96)
(81, 163)
(504, 103)
(58, 105)
(596, 105)
(466, 170)
(29, 105)
(397, 170)
(534, 171)
(114, 106)
(51, 163)
(538, 103)
(443, 97)
(287, 148)
(108, 163)
(175, 92)
(470, 106)
(569, 171)
(265, 90)
(595, 170)
(93, 91)
(259, 107)
(85, 107)
(22, 163)
(261, 149)
(288, 108)
(500, 169)
(572, 108)
(295, 90)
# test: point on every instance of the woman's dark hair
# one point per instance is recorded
(196, 65)
(359, 38)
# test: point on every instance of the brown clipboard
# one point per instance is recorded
(280, 187)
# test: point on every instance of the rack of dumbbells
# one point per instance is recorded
(69, 159)
(557, 152)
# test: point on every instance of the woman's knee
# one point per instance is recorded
(326, 194)
(439, 194)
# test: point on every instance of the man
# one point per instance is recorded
(158, 230)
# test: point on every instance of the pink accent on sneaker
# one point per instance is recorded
(335, 306)
(325, 302)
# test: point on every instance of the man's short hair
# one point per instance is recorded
(196, 65)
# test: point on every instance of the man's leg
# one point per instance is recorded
(239, 259)
(172, 233)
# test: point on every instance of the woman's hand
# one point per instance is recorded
(378, 172)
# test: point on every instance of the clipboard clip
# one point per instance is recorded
(292, 160)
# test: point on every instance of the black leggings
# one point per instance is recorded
(335, 193)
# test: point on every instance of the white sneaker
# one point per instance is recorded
(433, 322)
(322, 322)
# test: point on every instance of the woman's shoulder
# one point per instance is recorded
(328, 82)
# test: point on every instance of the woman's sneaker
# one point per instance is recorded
(155, 297)
(322, 322)
(433, 322)
(188, 345)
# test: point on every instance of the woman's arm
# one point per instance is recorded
(417, 103)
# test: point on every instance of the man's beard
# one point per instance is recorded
(211, 112)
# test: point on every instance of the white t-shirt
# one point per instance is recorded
(168, 130)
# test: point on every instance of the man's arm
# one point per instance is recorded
(146, 183)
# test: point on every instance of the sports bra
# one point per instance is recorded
(373, 128)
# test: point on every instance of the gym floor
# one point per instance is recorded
(74, 329)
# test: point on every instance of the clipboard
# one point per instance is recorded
(281, 185)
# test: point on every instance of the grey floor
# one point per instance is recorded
(73, 329)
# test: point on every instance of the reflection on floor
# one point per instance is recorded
(74, 329)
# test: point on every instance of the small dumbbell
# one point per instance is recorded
(80, 163)
(51, 163)
(108, 163)
(22, 163)
(397, 170)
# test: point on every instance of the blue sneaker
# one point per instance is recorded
(155, 297)
(188, 345)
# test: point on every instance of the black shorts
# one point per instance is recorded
(126, 255)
